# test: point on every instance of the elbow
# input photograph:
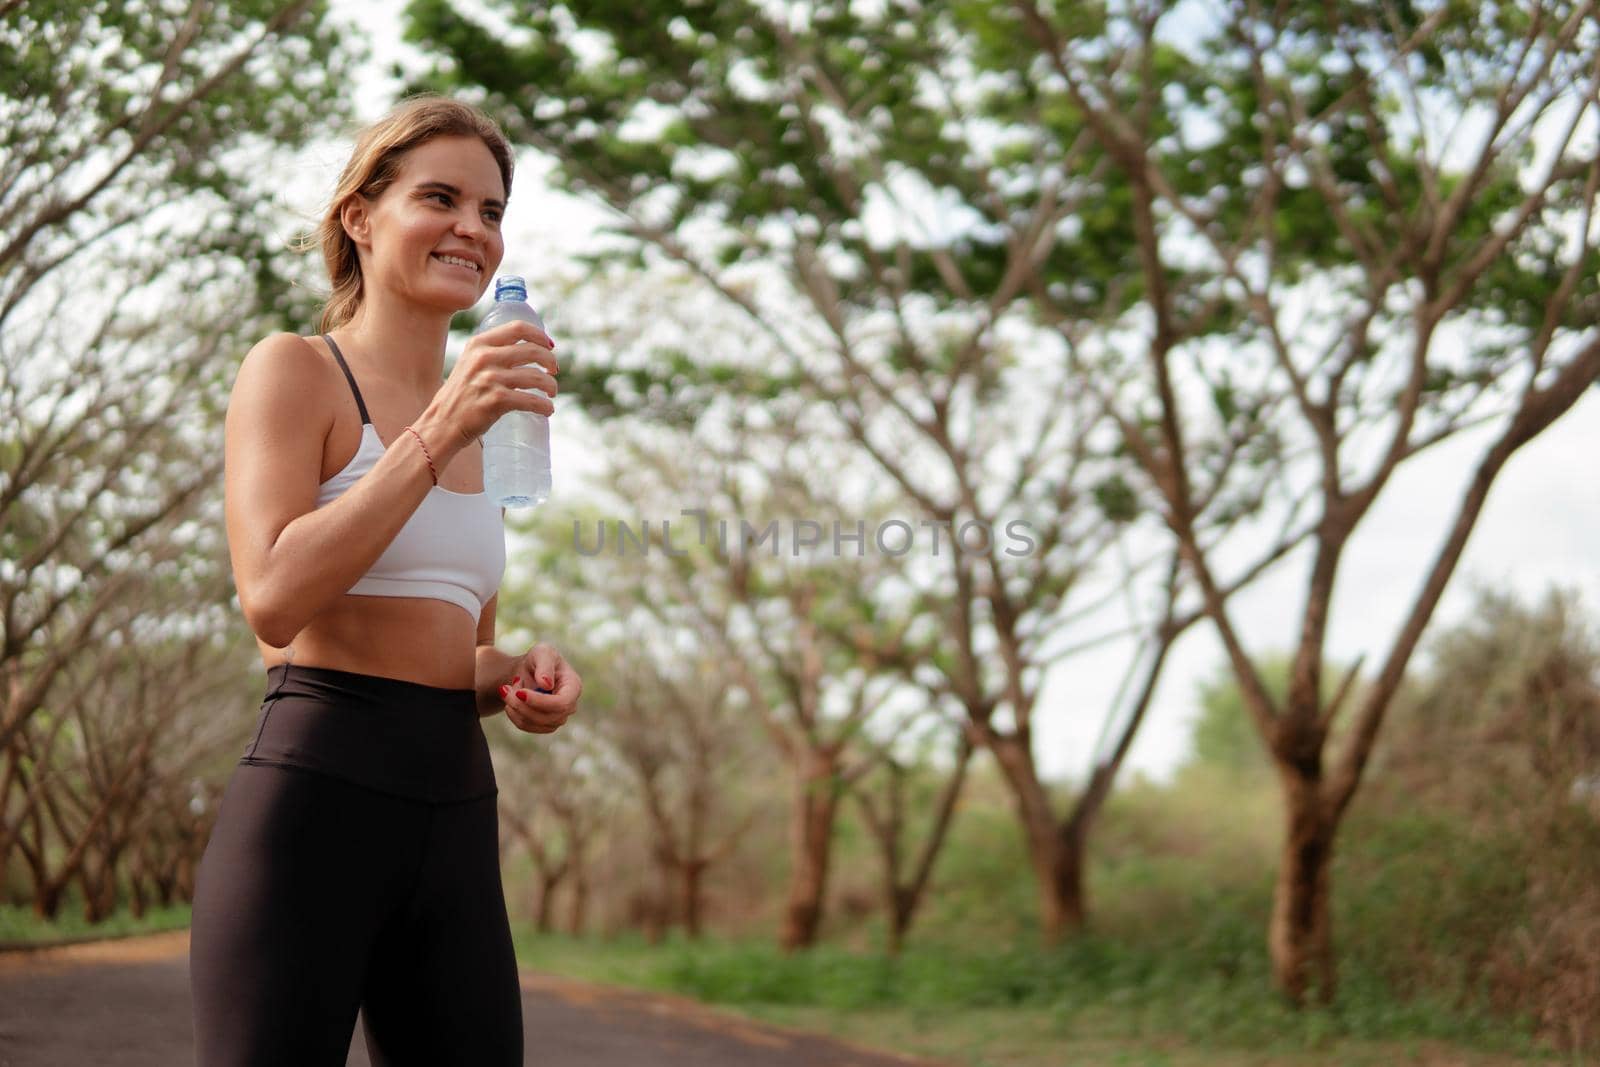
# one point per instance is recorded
(275, 632)
(277, 638)
(271, 622)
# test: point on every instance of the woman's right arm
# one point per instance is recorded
(290, 558)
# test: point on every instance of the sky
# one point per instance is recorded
(1539, 528)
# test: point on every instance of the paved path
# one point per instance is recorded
(125, 1003)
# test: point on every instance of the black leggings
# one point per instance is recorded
(355, 864)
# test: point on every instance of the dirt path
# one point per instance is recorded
(125, 1003)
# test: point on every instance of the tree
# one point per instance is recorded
(1224, 739)
(1233, 231)
(757, 614)
(816, 173)
(679, 734)
(660, 715)
(549, 805)
(87, 777)
(1393, 206)
(135, 259)
(885, 812)
(130, 129)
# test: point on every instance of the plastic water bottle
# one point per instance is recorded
(516, 450)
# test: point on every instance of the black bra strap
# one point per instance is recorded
(362, 404)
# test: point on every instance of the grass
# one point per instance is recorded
(22, 925)
(1001, 1038)
(1093, 1001)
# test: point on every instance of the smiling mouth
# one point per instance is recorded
(456, 261)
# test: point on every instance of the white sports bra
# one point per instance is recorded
(452, 548)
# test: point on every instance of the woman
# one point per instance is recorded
(354, 862)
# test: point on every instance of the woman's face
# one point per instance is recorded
(433, 236)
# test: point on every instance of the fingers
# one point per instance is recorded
(569, 684)
(543, 663)
(539, 713)
(532, 378)
(530, 354)
(538, 373)
(507, 334)
(544, 695)
(528, 389)
(537, 403)
(518, 356)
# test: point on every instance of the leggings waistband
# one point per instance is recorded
(419, 741)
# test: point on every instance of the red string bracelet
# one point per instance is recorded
(425, 454)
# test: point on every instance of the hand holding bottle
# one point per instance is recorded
(492, 377)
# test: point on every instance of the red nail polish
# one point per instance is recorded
(522, 694)
(504, 689)
(545, 681)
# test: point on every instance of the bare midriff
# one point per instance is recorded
(412, 638)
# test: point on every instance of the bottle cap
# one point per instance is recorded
(510, 287)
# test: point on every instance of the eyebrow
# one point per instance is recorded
(446, 187)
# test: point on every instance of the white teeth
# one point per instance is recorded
(458, 262)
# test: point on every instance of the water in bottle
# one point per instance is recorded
(516, 450)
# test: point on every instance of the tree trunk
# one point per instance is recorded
(692, 874)
(100, 890)
(94, 894)
(1301, 933)
(47, 900)
(1056, 857)
(655, 917)
(577, 916)
(902, 904)
(816, 803)
(180, 883)
(544, 907)
(138, 865)
(1066, 884)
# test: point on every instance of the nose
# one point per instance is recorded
(468, 224)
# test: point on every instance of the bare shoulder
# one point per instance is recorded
(281, 408)
(283, 374)
(283, 361)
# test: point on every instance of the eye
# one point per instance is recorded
(443, 197)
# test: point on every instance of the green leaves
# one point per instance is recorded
(1117, 499)
(120, 113)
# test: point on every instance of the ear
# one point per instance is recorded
(355, 216)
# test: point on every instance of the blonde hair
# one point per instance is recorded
(372, 167)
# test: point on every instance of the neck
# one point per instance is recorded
(401, 341)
